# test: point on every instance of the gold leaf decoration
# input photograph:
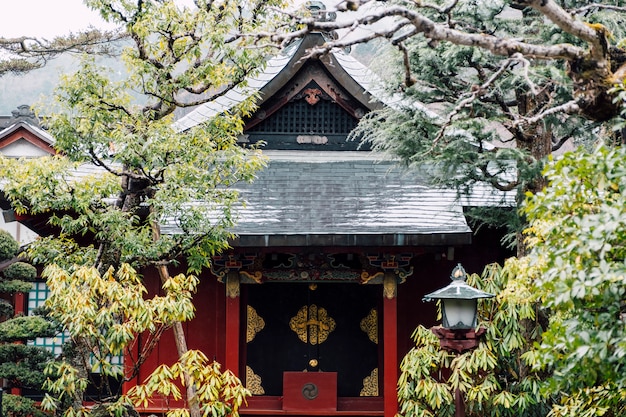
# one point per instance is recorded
(312, 324)
(255, 324)
(370, 385)
(369, 325)
(253, 382)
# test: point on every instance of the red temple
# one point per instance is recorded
(314, 305)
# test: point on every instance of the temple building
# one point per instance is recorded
(314, 305)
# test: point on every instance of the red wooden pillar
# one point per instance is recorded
(390, 344)
(19, 303)
(232, 322)
(19, 306)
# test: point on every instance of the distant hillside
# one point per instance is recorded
(33, 86)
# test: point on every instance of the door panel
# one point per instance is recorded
(329, 327)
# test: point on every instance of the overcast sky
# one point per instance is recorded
(46, 18)
(49, 18)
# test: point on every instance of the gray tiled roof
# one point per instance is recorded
(345, 199)
(238, 94)
(339, 198)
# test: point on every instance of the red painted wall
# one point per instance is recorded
(207, 332)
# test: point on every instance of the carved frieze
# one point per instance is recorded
(390, 286)
(232, 284)
(254, 382)
(221, 265)
(399, 264)
(312, 95)
(318, 267)
(370, 385)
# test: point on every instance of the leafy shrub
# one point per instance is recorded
(28, 327)
(17, 406)
(8, 246)
(14, 286)
(22, 271)
(6, 309)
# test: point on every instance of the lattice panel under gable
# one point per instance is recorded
(324, 117)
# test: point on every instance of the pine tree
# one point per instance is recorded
(21, 365)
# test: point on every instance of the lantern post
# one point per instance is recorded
(459, 308)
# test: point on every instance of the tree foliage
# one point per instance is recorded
(485, 90)
(555, 344)
(107, 313)
(578, 235)
(21, 365)
(18, 406)
(26, 53)
(495, 379)
(128, 188)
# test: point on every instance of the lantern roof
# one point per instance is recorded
(457, 289)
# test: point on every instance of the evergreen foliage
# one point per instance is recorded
(485, 90)
(19, 362)
(21, 271)
(8, 246)
(6, 309)
(151, 176)
(21, 365)
(14, 286)
(26, 327)
(18, 406)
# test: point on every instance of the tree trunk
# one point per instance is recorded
(180, 340)
(537, 141)
(130, 201)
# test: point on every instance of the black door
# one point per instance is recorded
(330, 327)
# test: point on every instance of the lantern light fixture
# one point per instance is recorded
(459, 301)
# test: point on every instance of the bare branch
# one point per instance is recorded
(595, 6)
(571, 107)
(556, 146)
(440, 32)
(567, 23)
(476, 92)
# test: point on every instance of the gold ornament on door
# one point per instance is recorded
(312, 324)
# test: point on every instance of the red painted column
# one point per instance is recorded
(232, 322)
(19, 308)
(19, 303)
(390, 344)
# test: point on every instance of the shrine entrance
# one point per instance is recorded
(312, 327)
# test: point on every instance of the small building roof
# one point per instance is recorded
(21, 135)
(22, 139)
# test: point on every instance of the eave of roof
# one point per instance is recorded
(36, 131)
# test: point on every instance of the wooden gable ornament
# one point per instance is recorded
(312, 104)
